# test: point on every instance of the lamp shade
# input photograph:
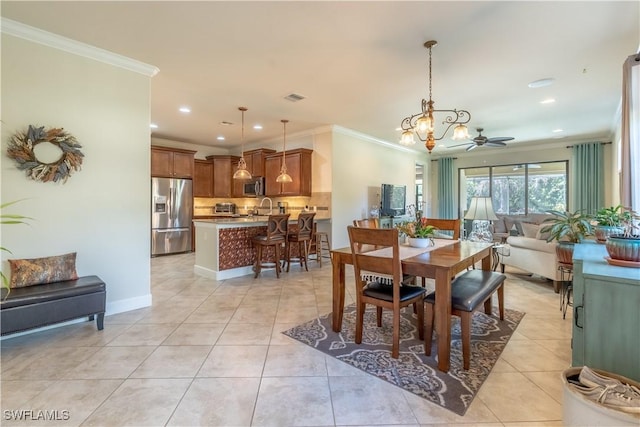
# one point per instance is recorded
(481, 208)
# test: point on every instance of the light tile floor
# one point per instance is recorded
(212, 353)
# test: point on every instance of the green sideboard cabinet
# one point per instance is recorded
(606, 313)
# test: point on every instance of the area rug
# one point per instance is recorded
(413, 371)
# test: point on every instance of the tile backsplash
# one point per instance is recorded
(320, 202)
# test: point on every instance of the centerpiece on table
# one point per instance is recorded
(419, 234)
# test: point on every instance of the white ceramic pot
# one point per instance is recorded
(420, 242)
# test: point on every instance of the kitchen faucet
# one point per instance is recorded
(270, 204)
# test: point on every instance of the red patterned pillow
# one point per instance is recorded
(38, 271)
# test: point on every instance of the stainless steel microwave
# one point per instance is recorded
(254, 187)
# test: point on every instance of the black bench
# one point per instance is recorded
(42, 305)
(468, 292)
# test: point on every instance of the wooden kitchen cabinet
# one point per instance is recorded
(223, 169)
(202, 178)
(255, 160)
(298, 166)
(172, 162)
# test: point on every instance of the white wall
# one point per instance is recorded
(102, 212)
(360, 164)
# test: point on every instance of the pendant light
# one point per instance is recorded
(242, 172)
(284, 176)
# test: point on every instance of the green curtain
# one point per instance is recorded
(588, 177)
(446, 192)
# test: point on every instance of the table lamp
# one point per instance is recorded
(481, 212)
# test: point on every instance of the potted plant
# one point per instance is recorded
(419, 234)
(567, 228)
(9, 219)
(610, 221)
(625, 246)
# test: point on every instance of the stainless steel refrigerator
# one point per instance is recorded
(171, 215)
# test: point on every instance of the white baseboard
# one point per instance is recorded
(114, 307)
(120, 306)
(224, 274)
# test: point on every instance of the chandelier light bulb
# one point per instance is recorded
(407, 138)
(460, 133)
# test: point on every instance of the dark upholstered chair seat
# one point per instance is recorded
(468, 292)
(471, 289)
(266, 239)
(385, 292)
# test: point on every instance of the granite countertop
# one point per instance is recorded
(260, 219)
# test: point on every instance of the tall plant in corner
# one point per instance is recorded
(6, 218)
(567, 228)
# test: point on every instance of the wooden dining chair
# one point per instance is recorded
(277, 230)
(469, 291)
(367, 223)
(372, 273)
(452, 225)
(302, 238)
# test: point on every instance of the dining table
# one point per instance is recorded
(441, 263)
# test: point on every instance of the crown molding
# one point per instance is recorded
(36, 35)
(355, 134)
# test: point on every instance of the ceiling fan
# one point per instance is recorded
(481, 140)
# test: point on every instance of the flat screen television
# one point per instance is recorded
(393, 200)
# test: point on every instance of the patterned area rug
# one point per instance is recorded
(413, 371)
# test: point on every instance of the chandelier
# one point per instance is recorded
(422, 124)
(242, 172)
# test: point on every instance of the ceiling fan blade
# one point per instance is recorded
(471, 147)
(495, 144)
(500, 139)
(460, 145)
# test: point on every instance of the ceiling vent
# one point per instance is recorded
(294, 97)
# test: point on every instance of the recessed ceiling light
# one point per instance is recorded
(220, 138)
(185, 109)
(548, 101)
(557, 130)
(542, 82)
(153, 126)
(257, 127)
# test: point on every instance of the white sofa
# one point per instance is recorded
(529, 250)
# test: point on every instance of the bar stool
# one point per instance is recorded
(277, 229)
(566, 286)
(322, 245)
(302, 236)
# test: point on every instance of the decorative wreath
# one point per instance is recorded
(21, 147)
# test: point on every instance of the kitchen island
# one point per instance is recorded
(223, 245)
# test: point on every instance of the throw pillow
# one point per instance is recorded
(530, 229)
(38, 271)
(541, 235)
(509, 224)
(499, 226)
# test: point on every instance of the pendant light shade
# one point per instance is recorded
(284, 177)
(242, 172)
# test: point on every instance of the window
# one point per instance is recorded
(517, 189)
